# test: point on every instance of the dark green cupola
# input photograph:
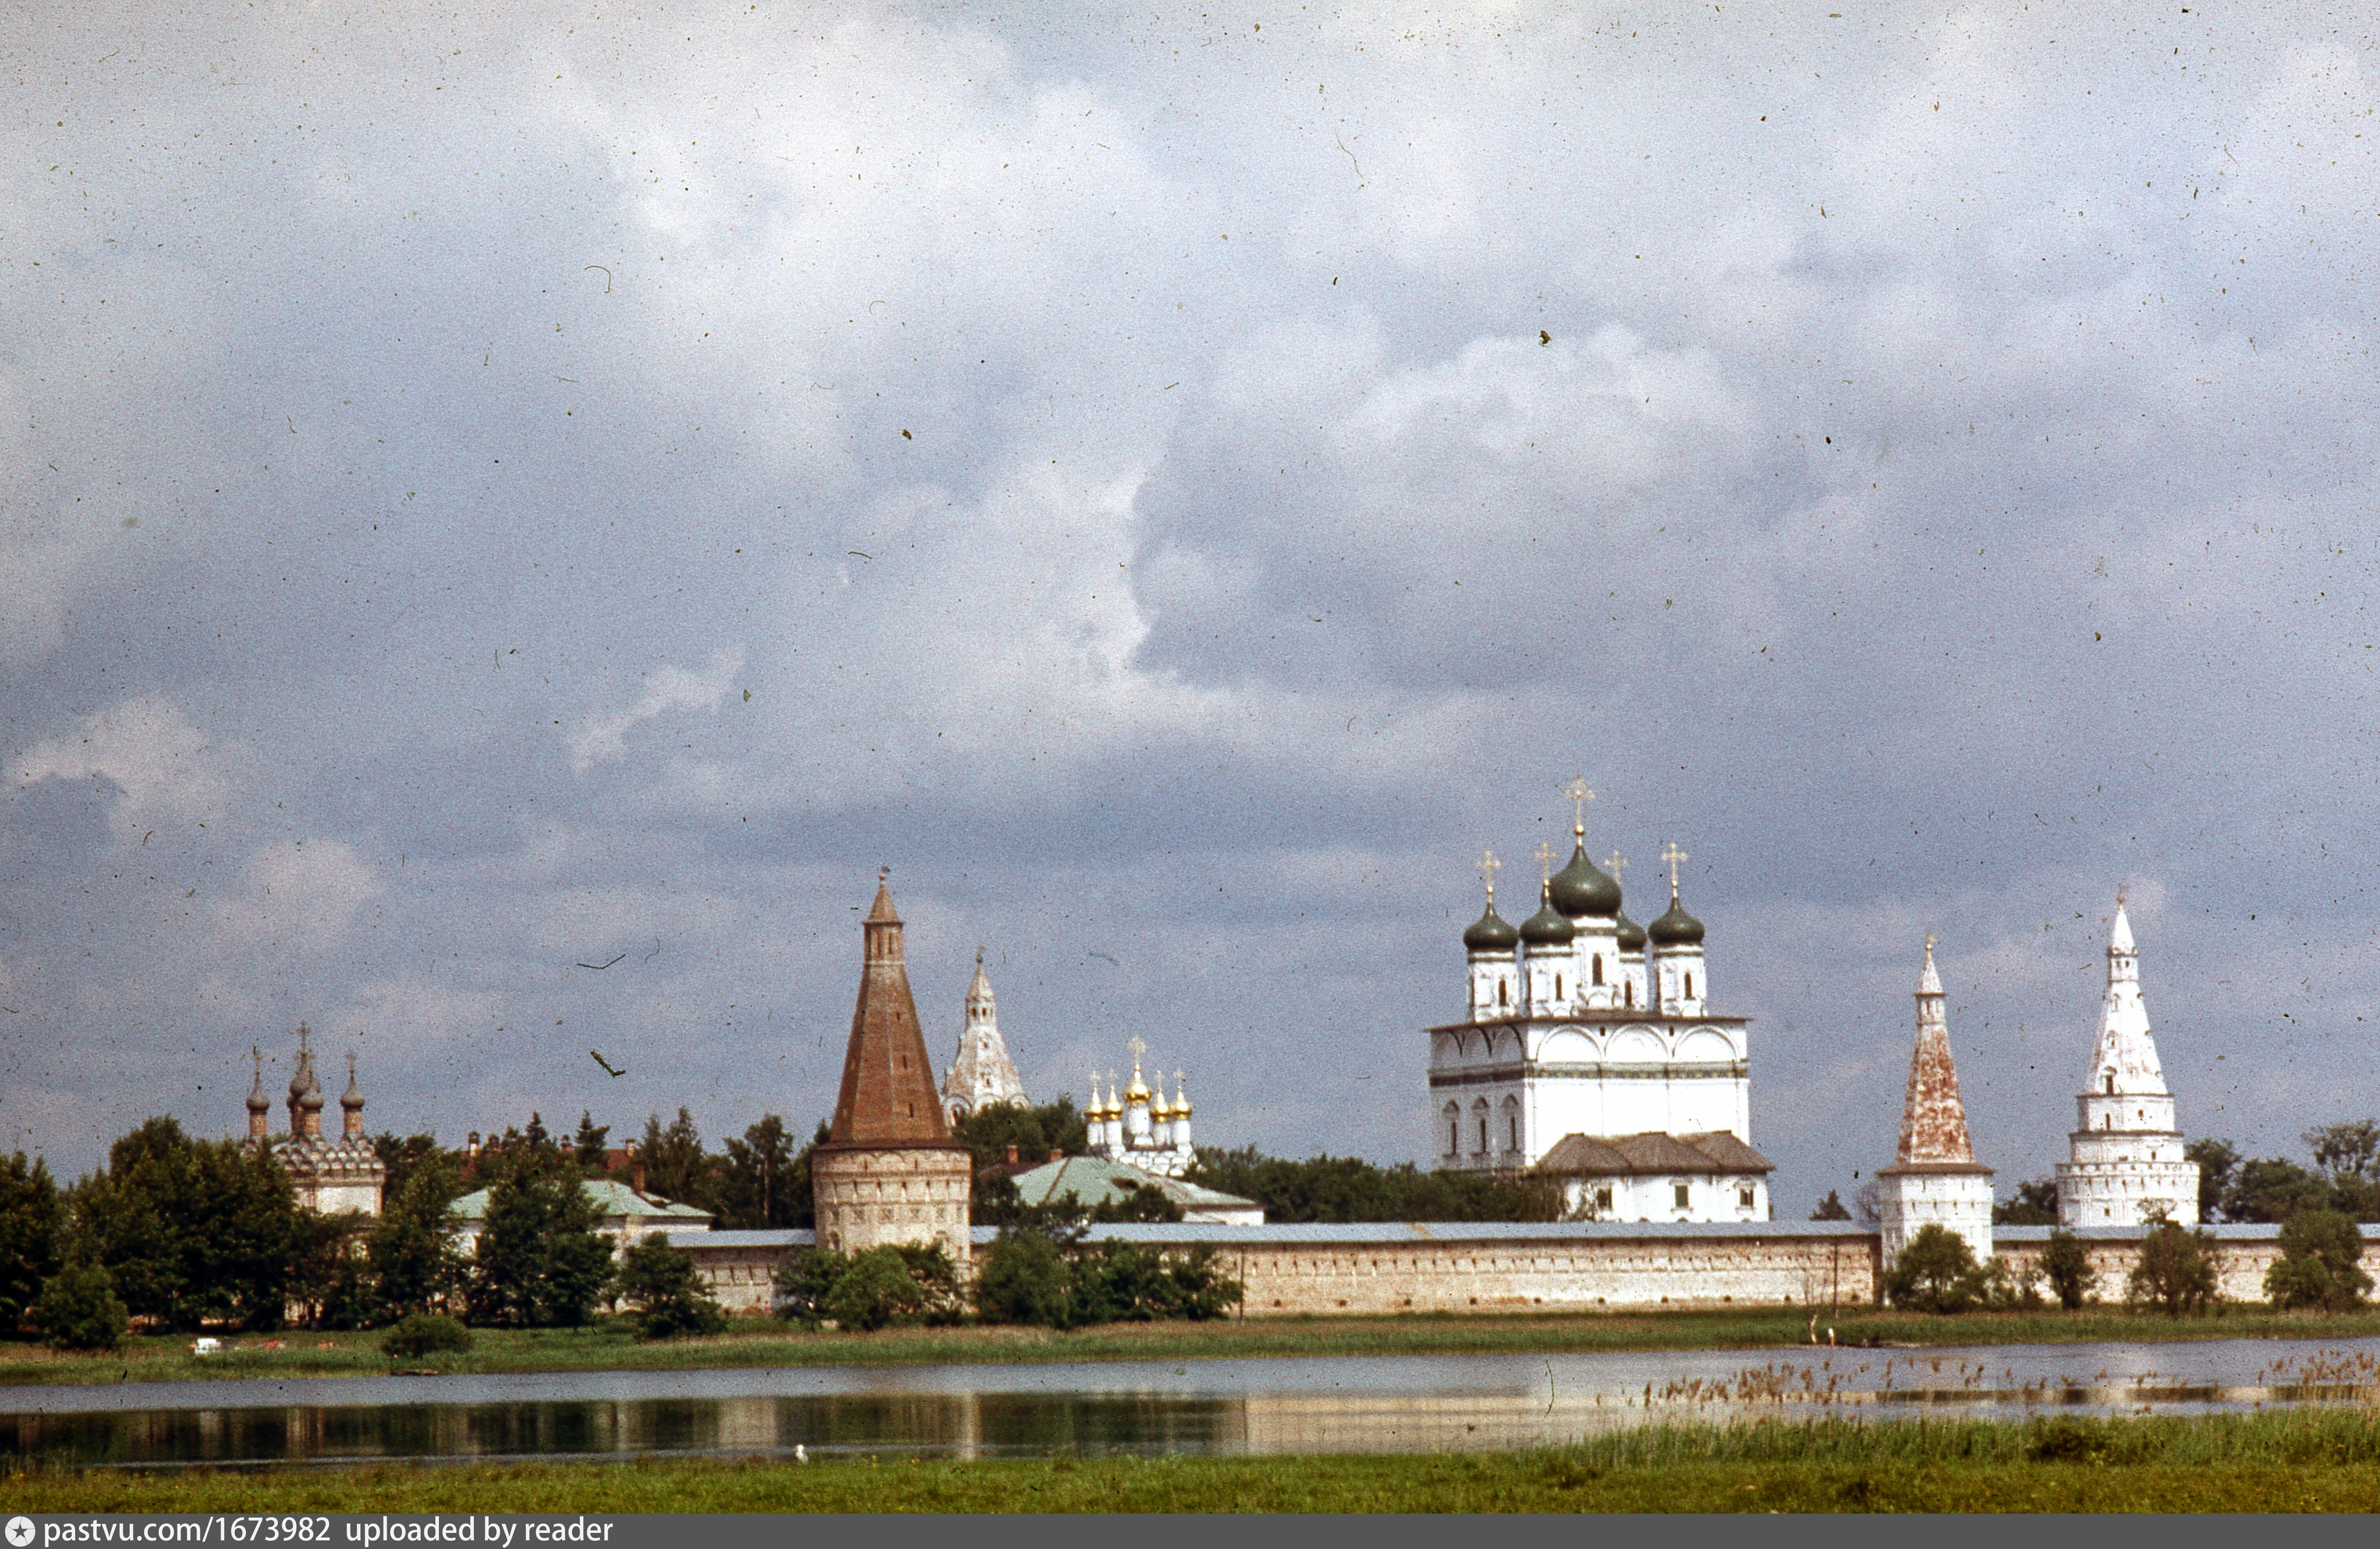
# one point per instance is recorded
(1582, 888)
(1548, 927)
(1490, 933)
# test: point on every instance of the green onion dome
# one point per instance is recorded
(1583, 888)
(1491, 933)
(1677, 928)
(1547, 927)
(1632, 936)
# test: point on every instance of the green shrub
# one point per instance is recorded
(1024, 1279)
(1935, 1273)
(666, 1290)
(2176, 1273)
(78, 1310)
(2067, 1267)
(874, 1288)
(421, 1333)
(2319, 1264)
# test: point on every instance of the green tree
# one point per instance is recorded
(588, 1147)
(30, 1215)
(410, 1253)
(401, 1155)
(1345, 1189)
(540, 1261)
(1035, 1132)
(804, 1284)
(78, 1310)
(188, 1230)
(756, 1182)
(667, 1292)
(2273, 1189)
(1832, 1208)
(2320, 1265)
(2036, 1204)
(1026, 1279)
(2176, 1273)
(2066, 1264)
(676, 1167)
(873, 1290)
(329, 1277)
(421, 1333)
(1934, 1273)
(2349, 1150)
(2216, 1161)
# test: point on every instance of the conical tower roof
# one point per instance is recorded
(2123, 1047)
(888, 1097)
(1933, 1119)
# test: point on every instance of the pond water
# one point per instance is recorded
(1233, 1406)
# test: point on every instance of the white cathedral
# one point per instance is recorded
(2126, 1163)
(1589, 1051)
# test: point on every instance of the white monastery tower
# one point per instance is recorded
(1582, 1056)
(2127, 1162)
(981, 1073)
(1934, 1180)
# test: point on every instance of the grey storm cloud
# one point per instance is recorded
(482, 493)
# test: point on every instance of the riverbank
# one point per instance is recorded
(2297, 1460)
(611, 1345)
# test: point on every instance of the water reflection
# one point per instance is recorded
(1380, 1404)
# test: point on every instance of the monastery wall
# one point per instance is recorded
(1507, 1267)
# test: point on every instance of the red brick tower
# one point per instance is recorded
(890, 1171)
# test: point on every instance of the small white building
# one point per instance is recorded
(2126, 1161)
(1935, 1180)
(1653, 1177)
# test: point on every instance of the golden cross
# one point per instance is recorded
(1579, 796)
(1929, 944)
(301, 1038)
(1546, 859)
(1137, 1048)
(1618, 864)
(1487, 866)
(1675, 857)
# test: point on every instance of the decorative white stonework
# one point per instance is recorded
(981, 1074)
(872, 1197)
(1935, 1180)
(2127, 1162)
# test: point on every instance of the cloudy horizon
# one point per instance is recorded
(489, 493)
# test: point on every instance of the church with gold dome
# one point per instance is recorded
(1589, 1050)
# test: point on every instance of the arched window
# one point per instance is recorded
(1501, 988)
(1512, 1123)
(1599, 972)
(1479, 1111)
(1690, 986)
(1558, 989)
(1632, 994)
(2111, 1083)
(1453, 1130)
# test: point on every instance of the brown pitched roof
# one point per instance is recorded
(888, 1097)
(1652, 1153)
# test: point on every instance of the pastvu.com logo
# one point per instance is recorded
(20, 1532)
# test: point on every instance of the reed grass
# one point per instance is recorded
(2292, 1460)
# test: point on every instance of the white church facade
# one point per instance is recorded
(1589, 1049)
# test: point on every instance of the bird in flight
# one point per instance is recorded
(606, 1065)
(599, 967)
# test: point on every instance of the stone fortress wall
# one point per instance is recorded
(1466, 1267)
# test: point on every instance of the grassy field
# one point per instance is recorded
(2297, 1460)
(611, 1346)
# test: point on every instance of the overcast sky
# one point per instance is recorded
(485, 494)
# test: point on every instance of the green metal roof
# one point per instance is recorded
(1094, 1181)
(609, 1198)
